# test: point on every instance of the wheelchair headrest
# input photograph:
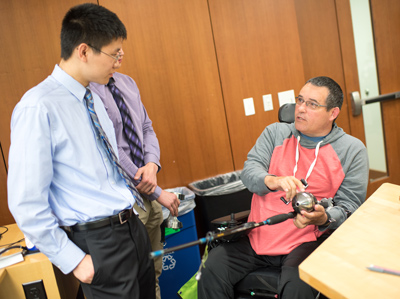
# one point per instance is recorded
(286, 113)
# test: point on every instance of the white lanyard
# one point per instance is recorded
(298, 156)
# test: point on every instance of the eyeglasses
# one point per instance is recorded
(116, 57)
(310, 104)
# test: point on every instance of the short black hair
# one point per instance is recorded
(335, 96)
(92, 24)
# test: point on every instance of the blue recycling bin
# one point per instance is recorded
(179, 266)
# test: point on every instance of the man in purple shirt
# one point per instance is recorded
(145, 176)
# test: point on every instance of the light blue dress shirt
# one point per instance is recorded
(59, 171)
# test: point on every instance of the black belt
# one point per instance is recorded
(119, 218)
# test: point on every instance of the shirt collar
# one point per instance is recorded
(73, 86)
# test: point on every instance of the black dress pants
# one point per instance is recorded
(120, 255)
(228, 263)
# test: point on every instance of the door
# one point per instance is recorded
(376, 30)
(386, 28)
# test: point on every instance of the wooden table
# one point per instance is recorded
(35, 267)
(370, 236)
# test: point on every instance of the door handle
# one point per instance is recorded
(357, 102)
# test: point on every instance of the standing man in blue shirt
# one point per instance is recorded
(66, 190)
(144, 172)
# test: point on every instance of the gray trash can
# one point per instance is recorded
(219, 196)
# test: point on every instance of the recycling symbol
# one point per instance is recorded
(168, 262)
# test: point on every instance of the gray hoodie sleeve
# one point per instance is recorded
(258, 159)
(352, 192)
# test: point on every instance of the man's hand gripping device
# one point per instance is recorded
(302, 201)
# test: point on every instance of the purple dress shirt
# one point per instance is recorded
(141, 121)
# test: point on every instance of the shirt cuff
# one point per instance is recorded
(263, 189)
(68, 258)
(156, 194)
(154, 159)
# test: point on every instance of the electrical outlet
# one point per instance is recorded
(249, 106)
(267, 100)
(286, 97)
(34, 290)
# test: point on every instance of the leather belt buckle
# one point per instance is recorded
(124, 216)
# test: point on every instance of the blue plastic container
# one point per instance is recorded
(179, 266)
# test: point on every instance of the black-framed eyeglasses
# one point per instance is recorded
(115, 57)
(310, 104)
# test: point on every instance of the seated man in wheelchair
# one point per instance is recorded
(333, 165)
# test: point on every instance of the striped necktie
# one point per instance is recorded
(130, 132)
(95, 121)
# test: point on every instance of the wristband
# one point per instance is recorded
(329, 220)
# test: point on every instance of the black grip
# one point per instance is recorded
(280, 218)
(324, 204)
